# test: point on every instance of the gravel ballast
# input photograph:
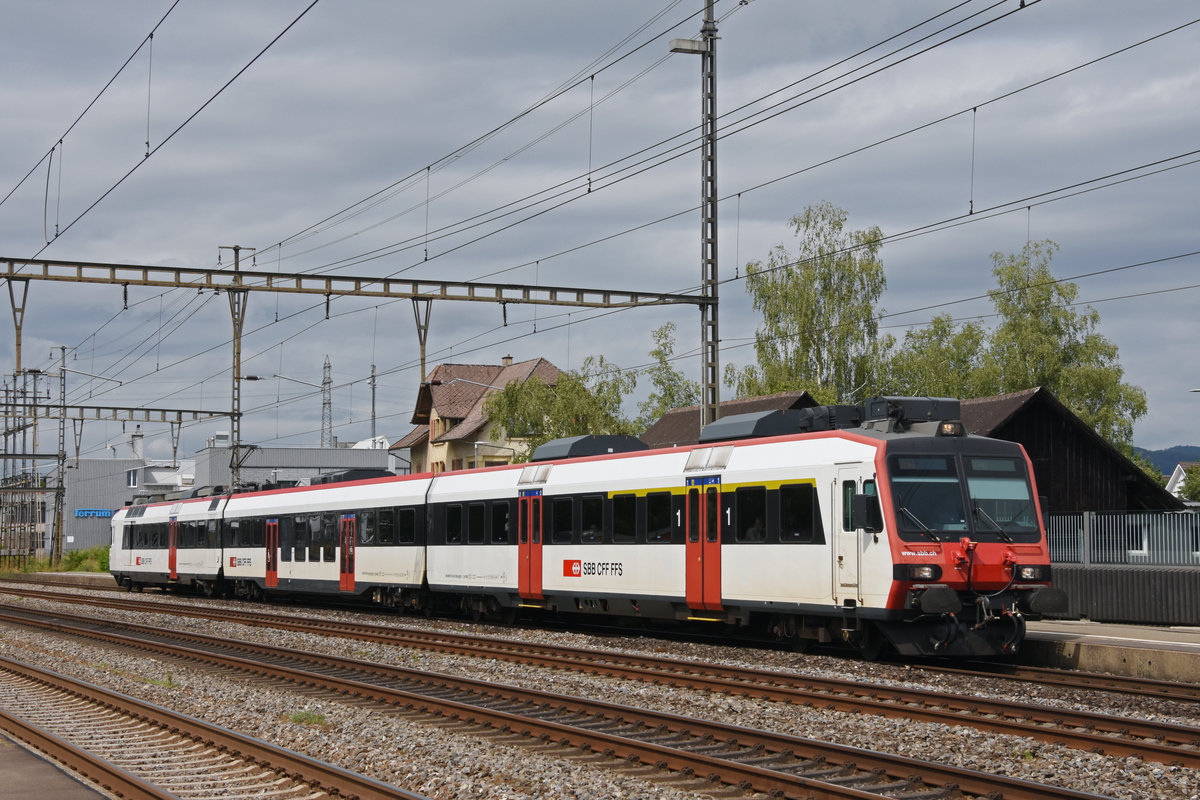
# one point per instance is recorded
(432, 759)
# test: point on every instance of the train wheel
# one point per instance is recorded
(871, 643)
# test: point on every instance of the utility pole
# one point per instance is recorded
(326, 405)
(371, 383)
(237, 310)
(710, 340)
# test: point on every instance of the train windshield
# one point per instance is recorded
(942, 498)
(998, 491)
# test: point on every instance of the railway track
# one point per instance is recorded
(141, 751)
(713, 754)
(494, 647)
(1111, 735)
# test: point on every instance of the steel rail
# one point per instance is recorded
(329, 673)
(85, 765)
(334, 780)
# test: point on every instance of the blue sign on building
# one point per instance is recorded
(92, 512)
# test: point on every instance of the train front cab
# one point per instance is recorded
(970, 562)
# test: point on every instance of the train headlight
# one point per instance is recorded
(1030, 572)
(922, 572)
(951, 428)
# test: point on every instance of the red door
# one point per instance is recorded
(529, 545)
(172, 548)
(703, 549)
(346, 579)
(272, 560)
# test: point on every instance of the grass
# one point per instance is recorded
(94, 559)
(307, 717)
(167, 683)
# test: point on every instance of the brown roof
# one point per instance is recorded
(681, 426)
(418, 435)
(983, 415)
(1006, 416)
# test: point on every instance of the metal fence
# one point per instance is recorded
(1149, 538)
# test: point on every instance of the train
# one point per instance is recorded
(878, 526)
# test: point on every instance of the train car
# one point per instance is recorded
(359, 538)
(174, 543)
(876, 525)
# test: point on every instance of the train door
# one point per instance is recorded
(173, 548)
(703, 543)
(346, 577)
(847, 550)
(529, 544)
(272, 559)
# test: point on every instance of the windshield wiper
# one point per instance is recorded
(924, 527)
(979, 512)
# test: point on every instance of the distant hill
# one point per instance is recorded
(1166, 460)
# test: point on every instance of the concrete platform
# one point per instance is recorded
(1141, 651)
(91, 580)
(28, 774)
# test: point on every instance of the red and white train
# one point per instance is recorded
(880, 524)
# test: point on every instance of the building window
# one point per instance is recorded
(131, 478)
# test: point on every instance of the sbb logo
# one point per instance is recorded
(232, 561)
(572, 569)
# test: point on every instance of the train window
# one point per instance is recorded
(475, 523)
(387, 525)
(848, 490)
(331, 535)
(798, 517)
(501, 511)
(302, 537)
(212, 534)
(260, 526)
(712, 522)
(406, 526)
(751, 514)
(232, 531)
(591, 518)
(562, 512)
(287, 534)
(693, 518)
(127, 536)
(624, 518)
(658, 517)
(366, 526)
(315, 537)
(454, 524)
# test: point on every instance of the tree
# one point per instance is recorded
(672, 389)
(1039, 340)
(820, 329)
(584, 401)
(941, 360)
(1191, 483)
(1042, 340)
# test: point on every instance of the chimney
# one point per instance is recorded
(506, 361)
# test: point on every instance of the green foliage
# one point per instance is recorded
(941, 360)
(1040, 340)
(166, 682)
(584, 401)
(94, 559)
(307, 717)
(820, 329)
(672, 389)
(1191, 483)
(1043, 341)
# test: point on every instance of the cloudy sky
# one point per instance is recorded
(459, 141)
